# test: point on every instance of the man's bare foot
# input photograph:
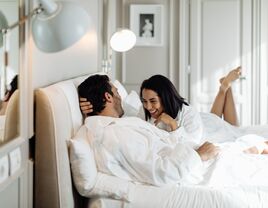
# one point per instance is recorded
(231, 76)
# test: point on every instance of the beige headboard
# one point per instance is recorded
(57, 119)
(11, 129)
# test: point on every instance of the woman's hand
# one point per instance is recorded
(168, 120)
(85, 106)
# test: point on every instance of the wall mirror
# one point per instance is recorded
(9, 70)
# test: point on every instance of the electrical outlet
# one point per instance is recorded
(3, 168)
(15, 160)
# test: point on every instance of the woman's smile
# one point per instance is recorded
(152, 103)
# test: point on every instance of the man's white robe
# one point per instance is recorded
(136, 150)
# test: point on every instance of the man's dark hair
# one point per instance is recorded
(94, 89)
(170, 98)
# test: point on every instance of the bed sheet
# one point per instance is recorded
(199, 196)
(189, 197)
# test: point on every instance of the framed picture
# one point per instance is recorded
(146, 21)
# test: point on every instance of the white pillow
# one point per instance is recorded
(111, 186)
(121, 89)
(132, 104)
(88, 181)
(82, 161)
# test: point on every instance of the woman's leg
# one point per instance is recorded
(229, 111)
(223, 104)
(219, 102)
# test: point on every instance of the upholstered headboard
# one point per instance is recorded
(11, 128)
(57, 119)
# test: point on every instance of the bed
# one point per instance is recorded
(58, 121)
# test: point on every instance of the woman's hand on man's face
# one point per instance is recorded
(85, 106)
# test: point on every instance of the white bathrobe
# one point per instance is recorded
(133, 149)
(195, 128)
(199, 127)
(190, 125)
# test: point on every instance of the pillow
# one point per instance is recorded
(111, 186)
(84, 171)
(132, 104)
(121, 89)
(88, 181)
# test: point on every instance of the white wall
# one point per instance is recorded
(144, 61)
(141, 62)
(80, 59)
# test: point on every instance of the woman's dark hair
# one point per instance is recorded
(94, 89)
(170, 99)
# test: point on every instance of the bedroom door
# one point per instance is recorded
(220, 39)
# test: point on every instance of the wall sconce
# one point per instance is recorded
(55, 27)
(123, 40)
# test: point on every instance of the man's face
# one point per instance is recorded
(117, 101)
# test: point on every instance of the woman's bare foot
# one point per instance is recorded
(265, 151)
(221, 79)
(254, 150)
(231, 76)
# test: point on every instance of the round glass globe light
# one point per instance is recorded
(123, 40)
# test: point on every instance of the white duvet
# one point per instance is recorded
(232, 167)
(233, 179)
(135, 150)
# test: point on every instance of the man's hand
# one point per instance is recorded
(85, 106)
(207, 151)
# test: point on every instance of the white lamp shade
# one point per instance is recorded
(3, 25)
(61, 29)
(123, 40)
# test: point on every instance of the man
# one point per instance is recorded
(134, 149)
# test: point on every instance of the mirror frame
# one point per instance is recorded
(25, 84)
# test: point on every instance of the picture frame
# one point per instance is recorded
(146, 21)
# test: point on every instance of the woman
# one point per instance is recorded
(164, 107)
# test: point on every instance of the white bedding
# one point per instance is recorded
(211, 193)
(199, 196)
(216, 129)
(259, 130)
(189, 197)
